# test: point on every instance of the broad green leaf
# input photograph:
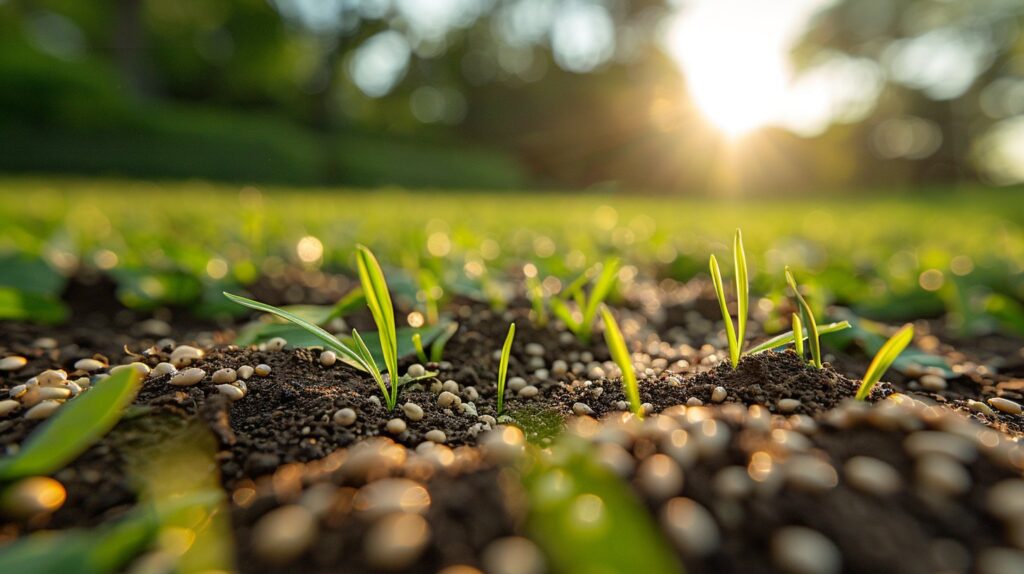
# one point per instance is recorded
(788, 337)
(884, 358)
(620, 354)
(348, 355)
(31, 275)
(506, 350)
(74, 428)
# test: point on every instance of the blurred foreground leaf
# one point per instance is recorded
(24, 306)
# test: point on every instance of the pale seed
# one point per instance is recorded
(262, 370)
(1005, 405)
(719, 394)
(529, 391)
(188, 377)
(8, 406)
(88, 365)
(933, 383)
(12, 363)
(447, 399)
(416, 371)
(787, 406)
(328, 358)
(345, 417)
(141, 368)
(226, 375)
(245, 372)
(690, 526)
(800, 550)
(284, 533)
(396, 426)
(51, 377)
(33, 496)
(162, 369)
(436, 436)
(872, 475)
(231, 391)
(513, 555)
(43, 410)
(183, 355)
(413, 411)
(397, 540)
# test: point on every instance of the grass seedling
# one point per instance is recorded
(535, 293)
(430, 292)
(437, 348)
(417, 343)
(587, 305)
(620, 354)
(790, 337)
(883, 359)
(808, 316)
(378, 299)
(737, 334)
(506, 350)
(798, 335)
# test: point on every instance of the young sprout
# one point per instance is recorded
(735, 335)
(883, 359)
(798, 335)
(417, 343)
(506, 350)
(620, 354)
(535, 293)
(430, 293)
(587, 304)
(790, 337)
(437, 348)
(812, 327)
(378, 299)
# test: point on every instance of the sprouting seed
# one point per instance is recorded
(812, 326)
(587, 305)
(620, 354)
(735, 335)
(798, 336)
(884, 358)
(417, 343)
(506, 350)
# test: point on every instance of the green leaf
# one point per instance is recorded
(604, 285)
(25, 306)
(506, 350)
(296, 335)
(884, 358)
(788, 337)
(417, 343)
(74, 428)
(348, 355)
(620, 354)
(812, 326)
(379, 301)
(405, 346)
(742, 288)
(798, 335)
(367, 358)
(31, 276)
(437, 349)
(730, 333)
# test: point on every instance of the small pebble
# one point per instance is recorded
(787, 406)
(416, 371)
(436, 436)
(231, 391)
(45, 343)
(188, 377)
(447, 399)
(719, 394)
(226, 375)
(690, 526)
(872, 476)
(996, 560)
(529, 391)
(933, 383)
(413, 411)
(245, 372)
(487, 419)
(12, 363)
(162, 369)
(535, 349)
(810, 474)
(396, 426)
(261, 370)
(581, 409)
(284, 533)
(88, 365)
(800, 550)
(516, 384)
(694, 402)
(1005, 499)
(328, 358)
(8, 406)
(1005, 405)
(275, 344)
(345, 417)
(42, 410)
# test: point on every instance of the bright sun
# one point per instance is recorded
(734, 54)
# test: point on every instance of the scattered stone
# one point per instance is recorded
(88, 365)
(942, 475)
(996, 560)
(141, 368)
(8, 406)
(12, 363)
(690, 526)
(261, 370)
(980, 407)
(188, 377)
(51, 377)
(1005, 499)
(396, 426)
(225, 375)
(528, 392)
(416, 371)
(872, 476)
(345, 417)
(231, 391)
(447, 399)
(534, 349)
(450, 386)
(162, 369)
(245, 372)
(810, 474)
(183, 355)
(660, 476)
(436, 436)
(515, 384)
(694, 402)
(955, 446)
(582, 409)
(800, 550)
(413, 411)
(328, 358)
(719, 394)
(284, 533)
(1005, 405)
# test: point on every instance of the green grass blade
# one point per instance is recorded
(742, 289)
(437, 349)
(788, 337)
(620, 354)
(417, 343)
(563, 313)
(348, 355)
(74, 428)
(535, 293)
(798, 335)
(367, 358)
(604, 285)
(884, 358)
(812, 327)
(506, 351)
(379, 301)
(716, 278)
